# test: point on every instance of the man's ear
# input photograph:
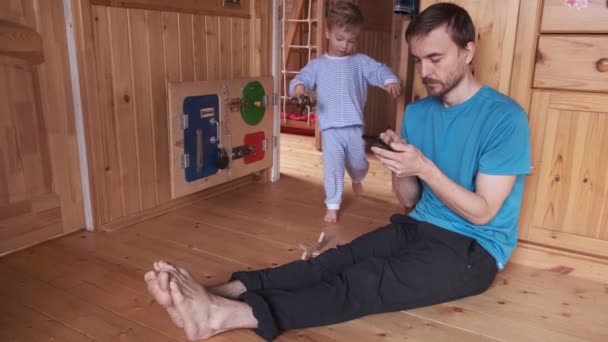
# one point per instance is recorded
(470, 51)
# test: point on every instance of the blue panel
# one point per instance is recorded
(200, 133)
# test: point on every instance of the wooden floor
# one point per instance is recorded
(89, 286)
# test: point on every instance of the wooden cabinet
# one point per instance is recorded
(572, 62)
(566, 199)
(570, 149)
(574, 16)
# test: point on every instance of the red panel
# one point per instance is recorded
(256, 139)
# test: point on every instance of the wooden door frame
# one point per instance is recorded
(275, 172)
(78, 115)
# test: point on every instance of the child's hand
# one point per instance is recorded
(393, 89)
(299, 90)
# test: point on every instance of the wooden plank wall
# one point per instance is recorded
(130, 55)
(299, 57)
(380, 107)
(40, 189)
(375, 41)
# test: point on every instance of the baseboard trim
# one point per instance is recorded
(130, 220)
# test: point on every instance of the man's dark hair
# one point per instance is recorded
(459, 23)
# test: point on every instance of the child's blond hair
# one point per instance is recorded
(345, 14)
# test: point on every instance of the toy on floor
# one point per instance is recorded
(314, 250)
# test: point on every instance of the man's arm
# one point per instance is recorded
(407, 190)
(478, 207)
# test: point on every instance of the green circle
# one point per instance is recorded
(253, 104)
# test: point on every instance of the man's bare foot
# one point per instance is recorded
(357, 188)
(331, 216)
(231, 290)
(203, 313)
(158, 287)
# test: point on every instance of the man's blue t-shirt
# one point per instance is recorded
(487, 134)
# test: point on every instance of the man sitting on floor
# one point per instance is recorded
(461, 160)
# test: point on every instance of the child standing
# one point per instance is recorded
(341, 79)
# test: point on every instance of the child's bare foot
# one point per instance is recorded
(331, 216)
(357, 188)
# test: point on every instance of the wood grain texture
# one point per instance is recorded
(39, 171)
(559, 17)
(207, 7)
(569, 62)
(20, 41)
(379, 112)
(570, 206)
(90, 285)
(524, 57)
(403, 67)
(137, 52)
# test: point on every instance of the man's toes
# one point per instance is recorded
(159, 295)
(163, 280)
(176, 293)
(183, 271)
(149, 276)
(162, 265)
(167, 265)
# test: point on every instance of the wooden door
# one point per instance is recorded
(40, 189)
(568, 190)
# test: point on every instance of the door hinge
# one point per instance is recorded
(184, 161)
(183, 121)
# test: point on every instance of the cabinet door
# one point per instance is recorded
(496, 26)
(566, 200)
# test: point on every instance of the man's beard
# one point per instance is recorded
(444, 87)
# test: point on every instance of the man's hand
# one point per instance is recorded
(393, 89)
(407, 189)
(406, 161)
(299, 90)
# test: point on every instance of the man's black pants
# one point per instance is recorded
(404, 265)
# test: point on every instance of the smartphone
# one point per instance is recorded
(373, 140)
